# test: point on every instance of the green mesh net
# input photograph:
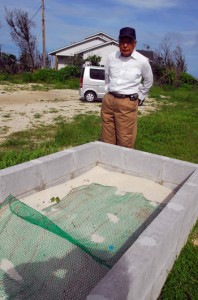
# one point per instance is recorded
(62, 252)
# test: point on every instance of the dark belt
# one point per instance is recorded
(132, 97)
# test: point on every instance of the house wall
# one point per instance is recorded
(103, 52)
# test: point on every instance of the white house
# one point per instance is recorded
(99, 44)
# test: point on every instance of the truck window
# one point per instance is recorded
(97, 74)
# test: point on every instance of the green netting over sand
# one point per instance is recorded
(64, 251)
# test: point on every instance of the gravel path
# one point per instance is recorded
(21, 108)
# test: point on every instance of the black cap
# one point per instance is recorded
(127, 32)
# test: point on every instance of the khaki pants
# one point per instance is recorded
(119, 121)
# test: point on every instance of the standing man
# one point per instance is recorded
(128, 76)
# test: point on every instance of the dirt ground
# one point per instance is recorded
(22, 108)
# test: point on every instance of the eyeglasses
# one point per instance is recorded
(126, 41)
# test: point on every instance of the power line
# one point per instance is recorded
(36, 12)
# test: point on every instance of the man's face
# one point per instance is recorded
(127, 46)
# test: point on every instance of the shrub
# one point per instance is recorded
(171, 77)
(26, 77)
(187, 78)
(5, 77)
(68, 72)
(44, 75)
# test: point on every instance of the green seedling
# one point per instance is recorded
(55, 199)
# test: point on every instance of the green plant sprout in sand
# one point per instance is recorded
(53, 199)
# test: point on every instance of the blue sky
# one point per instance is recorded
(71, 21)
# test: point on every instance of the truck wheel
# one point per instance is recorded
(90, 96)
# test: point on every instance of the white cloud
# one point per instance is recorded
(150, 4)
(190, 43)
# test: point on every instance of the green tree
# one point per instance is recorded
(94, 60)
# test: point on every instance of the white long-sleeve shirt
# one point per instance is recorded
(124, 74)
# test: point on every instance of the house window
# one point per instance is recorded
(97, 74)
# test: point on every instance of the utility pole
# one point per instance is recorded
(43, 34)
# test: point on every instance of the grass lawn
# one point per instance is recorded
(182, 281)
(171, 131)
